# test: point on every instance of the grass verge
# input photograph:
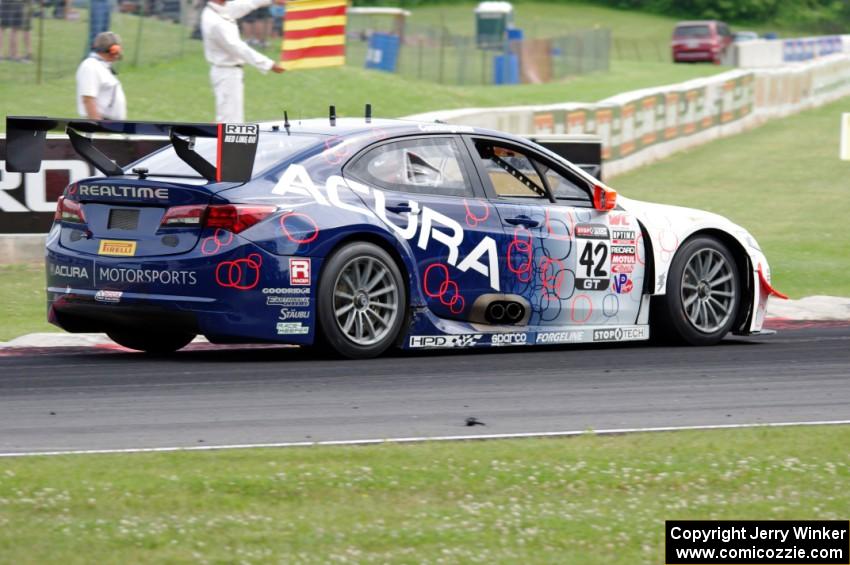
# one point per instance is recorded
(581, 500)
(23, 298)
(783, 182)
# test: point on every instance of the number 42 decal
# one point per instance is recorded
(594, 258)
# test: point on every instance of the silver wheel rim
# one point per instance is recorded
(365, 300)
(708, 290)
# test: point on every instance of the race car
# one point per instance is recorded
(357, 235)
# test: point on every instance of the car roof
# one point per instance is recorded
(697, 23)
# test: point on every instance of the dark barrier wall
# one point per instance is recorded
(28, 200)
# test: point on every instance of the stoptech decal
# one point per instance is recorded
(498, 340)
(592, 231)
(626, 333)
(456, 341)
(122, 275)
(428, 223)
(114, 191)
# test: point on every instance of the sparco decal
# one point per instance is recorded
(508, 339)
(470, 340)
(122, 275)
(628, 333)
(69, 272)
(115, 191)
(483, 258)
(560, 337)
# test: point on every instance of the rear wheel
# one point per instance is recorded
(362, 301)
(703, 294)
(156, 344)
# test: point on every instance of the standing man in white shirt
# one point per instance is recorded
(99, 92)
(227, 53)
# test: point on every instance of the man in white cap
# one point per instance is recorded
(227, 53)
(99, 92)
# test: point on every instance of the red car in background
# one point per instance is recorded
(702, 40)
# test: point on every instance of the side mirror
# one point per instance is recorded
(604, 198)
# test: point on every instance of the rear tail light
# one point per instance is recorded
(184, 216)
(69, 211)
(237, 217)
(234, 218)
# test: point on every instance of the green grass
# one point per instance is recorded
(23, 298)
(783, 182)
(582, 500)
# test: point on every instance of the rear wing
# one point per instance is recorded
(236, 149)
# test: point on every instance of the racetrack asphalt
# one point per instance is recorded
(88, 399)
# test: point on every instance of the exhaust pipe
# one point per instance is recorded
(514, 312)
(496, 312)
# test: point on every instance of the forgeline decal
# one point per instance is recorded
(68, 271)
(299, 272)
(123, 275)
(292, 328)
(114, 191)
(117, 248)
(482, 259)
(571, 336)
(629, 333)
(112, 296)
(421, 341)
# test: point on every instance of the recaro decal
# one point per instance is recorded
(435, 226)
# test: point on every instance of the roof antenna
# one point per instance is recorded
(332, 112)
(286, 122)
(368, 113)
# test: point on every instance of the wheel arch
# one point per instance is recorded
(742, 264)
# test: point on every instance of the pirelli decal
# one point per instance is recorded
(117, 248)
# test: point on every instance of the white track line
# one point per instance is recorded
(572, 433)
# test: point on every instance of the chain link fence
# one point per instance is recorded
(47, 39)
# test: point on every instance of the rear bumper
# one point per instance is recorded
(242, 294)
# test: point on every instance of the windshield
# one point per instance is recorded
(271, 150)
(692, 31)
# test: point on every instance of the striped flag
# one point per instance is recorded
(314, 34)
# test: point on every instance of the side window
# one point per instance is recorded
(512, 173)
(564, 185)
(421, 166)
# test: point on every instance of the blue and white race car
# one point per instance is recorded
(360, 235)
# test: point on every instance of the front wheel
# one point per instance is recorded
(362, 301)
(161, 343)
(703, 294)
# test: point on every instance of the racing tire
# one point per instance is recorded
(703, 295)
(362, 301)
(155, 344)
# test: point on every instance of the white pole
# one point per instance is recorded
(845, 137)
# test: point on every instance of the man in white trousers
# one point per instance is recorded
(227, 54)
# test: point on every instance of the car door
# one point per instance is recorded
(573, 264)
(426, 191)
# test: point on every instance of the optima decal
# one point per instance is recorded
(153, 276)
(115, 191)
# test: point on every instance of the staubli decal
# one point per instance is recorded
(434, 226)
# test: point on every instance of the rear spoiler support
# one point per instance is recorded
(236, 144)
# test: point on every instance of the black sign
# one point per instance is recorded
(696, 542)
(28, 200)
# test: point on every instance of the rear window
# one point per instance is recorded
(692, 31)
(271, 150)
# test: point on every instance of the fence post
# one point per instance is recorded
(139, 35)
(39, 64)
